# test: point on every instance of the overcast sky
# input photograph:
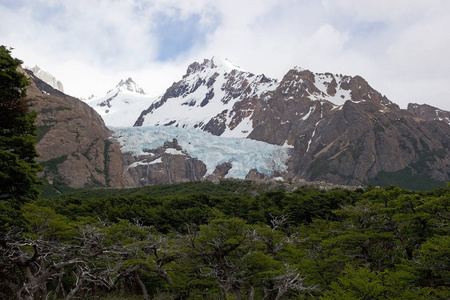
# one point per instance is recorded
(401, 47)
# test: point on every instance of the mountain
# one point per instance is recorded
(365, 138)
(122, 105)
(341, 129)
(130, 85)
(73, 142)
(47, 78)
(429, 112)
(215, 96)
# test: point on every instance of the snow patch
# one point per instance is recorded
(173, 151)
(322, 81)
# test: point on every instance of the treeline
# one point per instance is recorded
(230, 241)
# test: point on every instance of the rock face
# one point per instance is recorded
(166, 164)
(429, 112)
(73, 142)
(349, 142)
(47, 78)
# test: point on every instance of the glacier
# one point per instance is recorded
(243, 154)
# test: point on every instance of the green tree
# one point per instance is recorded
(18, 167)
(358, 284)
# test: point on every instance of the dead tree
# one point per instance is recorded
(38, 261)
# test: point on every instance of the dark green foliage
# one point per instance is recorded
(18, 167)
(406, 178)
(206, 241)
(223, 188)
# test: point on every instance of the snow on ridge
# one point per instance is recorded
(120, 108)
(243, 154)
(129, 86)
(225, 63)
(208, 93)
(322, 81)
(299, 69)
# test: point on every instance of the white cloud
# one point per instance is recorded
(399, 47)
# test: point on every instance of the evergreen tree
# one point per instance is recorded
(18, 167)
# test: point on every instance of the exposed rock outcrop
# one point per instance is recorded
(166, 164)
(73, 142)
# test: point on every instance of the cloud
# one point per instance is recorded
(176, 36)
(399, 47)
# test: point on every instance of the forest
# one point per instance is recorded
(230, 240)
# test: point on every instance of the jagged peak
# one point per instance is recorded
(225, 63)
(299, 69)
(46, 77)
(215, 62)
(412, 106)
(429, 112)
(129, 85)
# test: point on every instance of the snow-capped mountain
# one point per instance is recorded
(122, 105)
(221, 98)
(47, 78)
(130, 85)
(215, 96)
(342, 130)
(339, 129)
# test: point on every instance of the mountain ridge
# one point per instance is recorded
(338, 129)
(121, 105)
(46, 77)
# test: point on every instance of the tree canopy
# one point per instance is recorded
(18, 168)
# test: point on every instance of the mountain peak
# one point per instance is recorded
(226, 64)
(129, 85)
(215, 62)
(47, 78)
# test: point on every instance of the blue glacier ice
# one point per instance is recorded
(243, 154)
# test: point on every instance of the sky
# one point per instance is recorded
(400, 47)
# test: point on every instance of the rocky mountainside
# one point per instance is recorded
(47, 78)
(73, 141)
(352, 142)
(429, 112)
(341, 129)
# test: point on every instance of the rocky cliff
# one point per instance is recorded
(73, 142)
(166, 164)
